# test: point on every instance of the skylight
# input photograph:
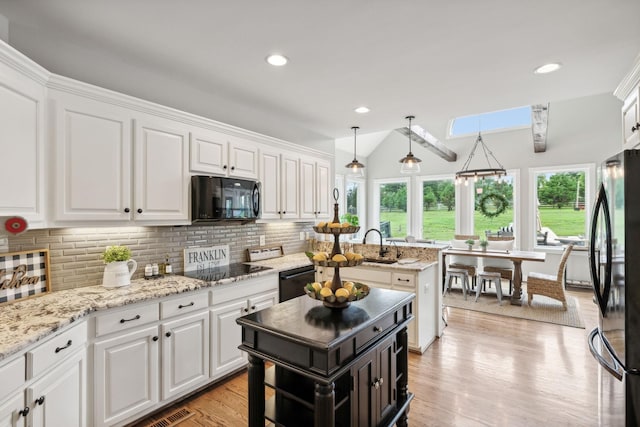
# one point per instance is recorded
(495, 121)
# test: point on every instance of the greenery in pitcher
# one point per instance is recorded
(116, 253)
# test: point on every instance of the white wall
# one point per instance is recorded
(580, 131)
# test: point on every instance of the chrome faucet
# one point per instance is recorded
(383, 251)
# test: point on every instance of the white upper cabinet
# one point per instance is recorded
(289, 187)
(315, 181)
(217, 153)
(107, 170)
(631, 119)
(279, 178)
(161, 171)
(93, 159)
(22, 146)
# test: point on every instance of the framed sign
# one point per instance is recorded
(203, 259)
(24, 274)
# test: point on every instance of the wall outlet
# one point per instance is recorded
(262, 240)
(302, 235)
(306, 235)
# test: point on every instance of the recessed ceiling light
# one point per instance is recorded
(277, 60)
(362, 110)
(548, 68)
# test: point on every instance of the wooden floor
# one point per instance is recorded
(485, 370)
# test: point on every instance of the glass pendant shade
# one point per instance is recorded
(410, 164)
(356, 169)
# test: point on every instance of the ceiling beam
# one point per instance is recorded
(428, 141)
(539, 118)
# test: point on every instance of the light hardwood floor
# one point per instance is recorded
(485, 370)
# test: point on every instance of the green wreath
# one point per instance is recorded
(492, 200)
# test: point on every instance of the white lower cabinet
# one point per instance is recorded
(185, 354)
(125, 375)
(12, 411)
(225, 355)
(423, 329)
(59, 398)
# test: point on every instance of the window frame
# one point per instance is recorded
(375, 214)
(589, 170)
(451, 123)
(418, 220)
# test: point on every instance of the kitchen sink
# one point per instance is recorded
(381, 260)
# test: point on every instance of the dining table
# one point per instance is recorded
(515, 256)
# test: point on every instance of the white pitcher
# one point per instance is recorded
(118, 273)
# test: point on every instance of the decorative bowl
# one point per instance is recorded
(332, 301)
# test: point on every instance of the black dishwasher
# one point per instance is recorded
(292, 281)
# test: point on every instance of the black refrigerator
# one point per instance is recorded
(615, 271)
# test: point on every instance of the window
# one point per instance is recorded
(354, 204)
(390, 196)
(513, 118)
(494, 207)
(560, 196)
(438, 209)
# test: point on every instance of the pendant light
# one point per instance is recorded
(356, 169)
(410, 163)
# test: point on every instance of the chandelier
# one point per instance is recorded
(491, 170)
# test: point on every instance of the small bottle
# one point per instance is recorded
(167, 265)
(148, 271)
(156, 269)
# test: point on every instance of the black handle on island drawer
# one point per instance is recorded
(59, 349)
(129, 320)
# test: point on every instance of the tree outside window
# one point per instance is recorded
(438, 209)
(393, 209)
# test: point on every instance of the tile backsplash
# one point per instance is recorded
(75, 252)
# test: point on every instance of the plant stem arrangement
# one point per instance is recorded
(484, 244)
(470, 243)
(116, 253)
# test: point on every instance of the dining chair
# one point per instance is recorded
(549, 285)
(469, 263)
(502, 266)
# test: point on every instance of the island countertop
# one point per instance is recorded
(28, 321)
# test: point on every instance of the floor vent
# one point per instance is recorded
(173, 419)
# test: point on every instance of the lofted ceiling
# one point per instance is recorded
(433, 59)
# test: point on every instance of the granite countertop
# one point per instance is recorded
(299, 259)
(23, 323)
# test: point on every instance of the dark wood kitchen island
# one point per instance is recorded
(331, 367)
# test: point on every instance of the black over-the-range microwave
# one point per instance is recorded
(221, 199)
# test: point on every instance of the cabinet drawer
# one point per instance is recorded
(56, 350)
(405, 280)
(365, 276)
(378, 328)
(13, 376)
(126, 319)
(185, 304)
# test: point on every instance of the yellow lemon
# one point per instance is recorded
(342, 292)
(326, 292)
(348, 286)
(339, 258)
(321, 224)
(346, 225)
(327, 284)
(316, 286)
(349, 256)
(320, 256)
(335, 225)
(357, 256)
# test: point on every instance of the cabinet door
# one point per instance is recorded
(161, 171)
(362, 396)
(59, 398)
(10, 412)
(386, 378)
(323, 186)
(307, 188)
(185, 354)
(260, 302)
(290, 185)
(21, 145)
(270, 179)
(225, 355)
(243, 159)
(93, 160)
(631, 119)
(125, 375)
(208, 152)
